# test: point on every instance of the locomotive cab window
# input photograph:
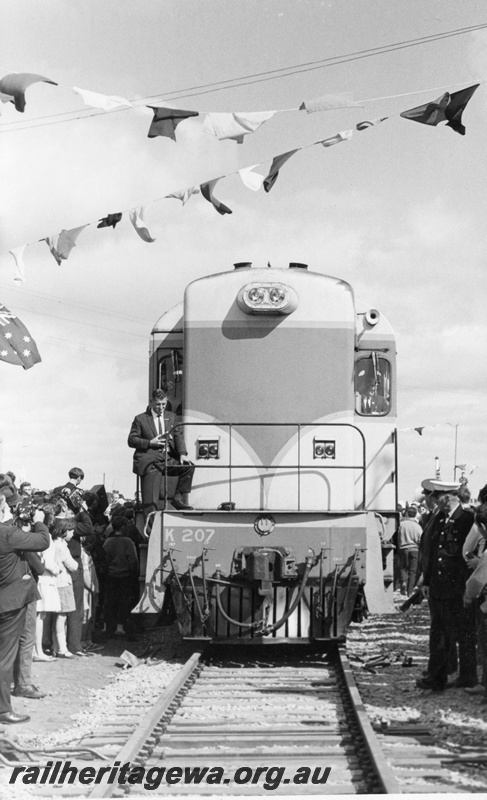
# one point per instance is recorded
(372, 386)
(170, 374)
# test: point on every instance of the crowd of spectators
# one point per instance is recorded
(68, 577)
(441, 555)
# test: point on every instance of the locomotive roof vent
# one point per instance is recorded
(243, 265)
(297, 265)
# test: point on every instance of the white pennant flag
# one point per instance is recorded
(18, 256)
(342, 136)
(106, 102)
(235, 125)
(328, 102)
(252, 180)
(137, 220)
(184, 194)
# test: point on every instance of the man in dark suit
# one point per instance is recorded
(17, 589)
(152, 434)
(444, 575)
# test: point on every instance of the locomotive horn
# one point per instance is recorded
(372, 316)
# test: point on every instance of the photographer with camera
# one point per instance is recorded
(17, 590)
(24, 518)
(75, 475)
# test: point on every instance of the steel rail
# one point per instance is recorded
(380, 764)
(376, 763)
(139, 737)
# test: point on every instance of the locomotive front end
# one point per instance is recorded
(293, 485)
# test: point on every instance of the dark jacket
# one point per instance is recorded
(17, 586)
(141, 433)
(444, 568)
(121, 557)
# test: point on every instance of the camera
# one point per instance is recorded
(24, 513)
(73, 497)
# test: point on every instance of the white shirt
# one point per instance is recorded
(156, 418)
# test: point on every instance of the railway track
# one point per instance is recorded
(287, 720)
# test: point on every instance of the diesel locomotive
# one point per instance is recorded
(285, 389)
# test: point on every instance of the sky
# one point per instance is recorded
(398, 211)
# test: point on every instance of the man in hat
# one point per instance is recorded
(151, 434)
(17, 590)
(443, 582)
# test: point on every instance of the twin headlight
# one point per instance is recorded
(267, 298)
(208, 448)
(323, 448)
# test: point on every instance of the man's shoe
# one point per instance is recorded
(424, 683)
(178, 504)
(479, 689)
(460, 683)
(11, 718)
(32, 692)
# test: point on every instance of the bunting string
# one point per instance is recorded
(448, 108)
(22, 80)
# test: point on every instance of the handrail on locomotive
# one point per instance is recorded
(297, 468)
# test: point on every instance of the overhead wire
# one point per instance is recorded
(248, 80)
(84, 306)
(91, 349)
(80, 322)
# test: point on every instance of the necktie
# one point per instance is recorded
(159, 425)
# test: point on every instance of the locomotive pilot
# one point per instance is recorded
(151, 435)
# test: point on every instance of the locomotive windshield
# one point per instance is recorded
(170, 374)
(372, 386)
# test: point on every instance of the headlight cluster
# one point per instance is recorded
(267, 298)
(208, 448)
(324, 449)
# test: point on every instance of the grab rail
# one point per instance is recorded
(323, 464)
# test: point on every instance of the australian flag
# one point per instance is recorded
(16, 344)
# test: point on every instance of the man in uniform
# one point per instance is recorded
(151, 434)
(444, 577)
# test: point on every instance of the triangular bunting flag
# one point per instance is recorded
(16, 344)
(65, 243)
(341, 136)
(448, 108)
(106, 102)
(16, 84)
(137, 220)
(110, 221)
(328, 102)
(207, 192)
(276, 165)
(250, 179)
(429, 113)
(166, 120)
(235, 125)
(368, 123)
(184, 194)
(456, 107)
(18, 256)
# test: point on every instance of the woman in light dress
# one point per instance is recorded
(49, 600)
(62, 531)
